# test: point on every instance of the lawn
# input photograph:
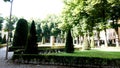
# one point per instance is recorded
(91, 53)
(78, 58)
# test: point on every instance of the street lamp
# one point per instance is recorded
(11, 2)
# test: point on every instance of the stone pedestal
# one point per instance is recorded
(52, 41)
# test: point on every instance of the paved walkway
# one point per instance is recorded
(7, 64)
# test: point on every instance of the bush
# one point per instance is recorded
(69, 47)
(82, 62)
(31, 47)
(21, 33)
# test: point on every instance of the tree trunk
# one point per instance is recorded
(98, 38)
(80, 40)
(117, 42)
(77, 40)
(105, 39)
(92, 43)
(117, 37)
(85, 45)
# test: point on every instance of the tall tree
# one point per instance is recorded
(114, 16)
(74, 13)
(9, 26)
(1, 21)
(21, 33)
(32, 47)
(69, 47)
(39, 32)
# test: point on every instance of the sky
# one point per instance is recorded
(31, 8)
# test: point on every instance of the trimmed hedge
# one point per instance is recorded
(66, 60)
(21, 33)
(13, 48)
(69, 47)
(32, 46)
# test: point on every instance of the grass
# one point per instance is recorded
(91, 53)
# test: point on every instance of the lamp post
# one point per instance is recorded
(11, 3)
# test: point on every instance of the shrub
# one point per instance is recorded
(76, 61)
(21, 33)
(31, 47)
(69, 47)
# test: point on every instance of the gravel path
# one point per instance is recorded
(7, 64)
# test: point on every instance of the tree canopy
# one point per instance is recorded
(89, 13)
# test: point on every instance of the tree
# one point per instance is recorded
(75, 13)
(1, 21)
(114, 17)
(32, 47)
(4, 39)
(39, 32)
(9, 25)
(69, 47)
(45, 33)
(21, 33)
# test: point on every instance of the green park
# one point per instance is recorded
(86, 34)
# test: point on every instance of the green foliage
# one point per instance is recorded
(76, 14)
(1, 21)
(21, 33)
(79, 59)
(31, 47)
(55, 31)
(0, 39)
(4, 39)
(39, 33)
(45, 31)
(89, 14)
(49, 27)
(69, 47)
(1, 26)
(9, 25)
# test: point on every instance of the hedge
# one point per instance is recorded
(66, 60)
